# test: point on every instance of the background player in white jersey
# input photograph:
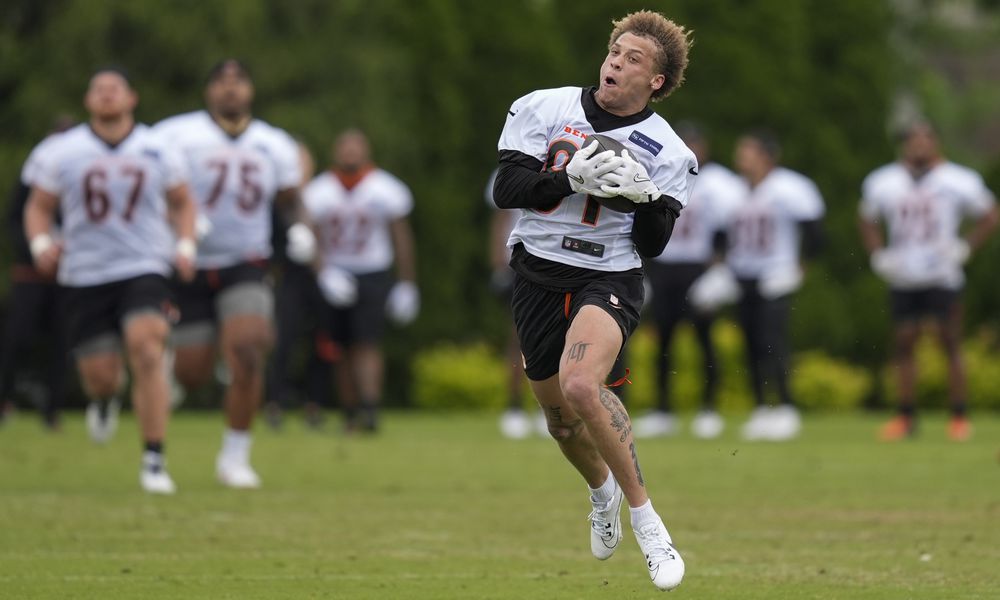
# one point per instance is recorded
(778, 221)
(360, 213)
(922, 200)
(692, 248)
(117, 186)
(515, 422)
(238, 165)
(578, 287)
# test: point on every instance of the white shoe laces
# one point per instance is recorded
(599, 519)
(656, 546)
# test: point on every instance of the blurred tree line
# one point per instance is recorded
(431, 81)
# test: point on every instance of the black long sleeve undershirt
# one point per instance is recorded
(521, 183)
(653, 225)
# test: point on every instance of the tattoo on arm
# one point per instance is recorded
(555, 412)
(619, 418)
(635, 461)
(578, 350)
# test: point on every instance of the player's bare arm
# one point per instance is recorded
(38, 217)
(405, 249)
(182, 214)
(871, 235)
(983, 229)
(289, 201)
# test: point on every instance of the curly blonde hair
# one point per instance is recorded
(672, 44)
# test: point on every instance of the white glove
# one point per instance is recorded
(887, 265)
(301, 246)
(403, 303)
(586, 170)
(780, 282)
(715, 288)
(957, 251)
(202, 227)
(631, 181)
(339, 287)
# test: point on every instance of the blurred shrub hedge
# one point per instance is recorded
(450, 376)
(981, 368)
(474, 376)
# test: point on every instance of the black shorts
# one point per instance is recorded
(670, 283)
(542, 316)
(911, 305)
(99, 310)
(197, 299)
(364, 321)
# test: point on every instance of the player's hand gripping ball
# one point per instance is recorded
(615, 203)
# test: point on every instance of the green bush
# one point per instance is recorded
(686, 383)
(983, 376)
(459, 377)
(474, 376)
(819, 381)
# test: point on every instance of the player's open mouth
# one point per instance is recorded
(610, 81)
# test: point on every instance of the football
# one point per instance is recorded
(615, 203)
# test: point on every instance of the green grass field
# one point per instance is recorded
(441, 506)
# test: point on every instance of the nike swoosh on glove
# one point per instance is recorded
(631, 181)
(586, 170)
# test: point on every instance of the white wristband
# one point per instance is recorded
(187, 248)
(40, 244)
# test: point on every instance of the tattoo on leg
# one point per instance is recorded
(635, 461)
(619, 418)
(555, 412)
(578, 350)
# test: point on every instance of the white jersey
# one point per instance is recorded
(33, 166)
(112, 198)
(716, 194)
(764, 228)
(35, 161)
(551, 125)
(234, 181)
(354, 224)
(923, 217)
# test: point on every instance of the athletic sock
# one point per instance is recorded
(604, 493)
(958, 410)
(103, 404)
(908, 410)
(369, 414)
(236, 444)
(642, 515)
(152, 456)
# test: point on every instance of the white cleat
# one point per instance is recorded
(102, 420)
(515, 424)
(606, 526)
(666, 567)
(785, 423)
(758, 426)
(707, 425)
(157, 482)
(656, 424)
(236, 474)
